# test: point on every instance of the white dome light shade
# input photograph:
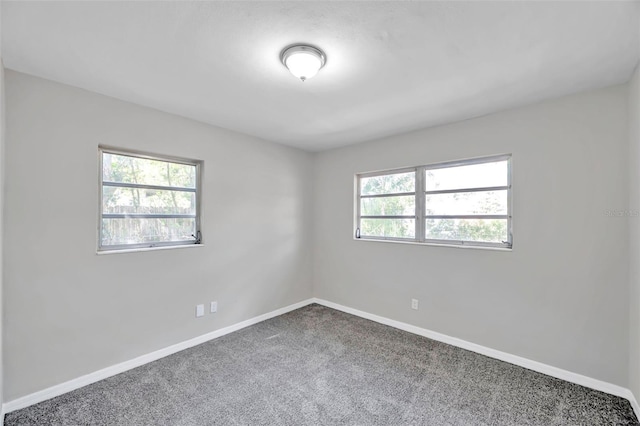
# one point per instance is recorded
(303, 61)
(303, 65)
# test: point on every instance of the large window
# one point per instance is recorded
(463, 203)
(147, 201)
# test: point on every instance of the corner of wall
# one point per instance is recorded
(2, 139)
(312, 228)
(634, 233)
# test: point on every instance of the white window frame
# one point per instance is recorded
(148, 156)
(420, 194)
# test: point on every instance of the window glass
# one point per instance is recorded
(477, 230)
(482, 175)
(389, 206)
(388, 184)
(467, 203)
(389, 228)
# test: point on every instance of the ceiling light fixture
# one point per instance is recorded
(302, 60)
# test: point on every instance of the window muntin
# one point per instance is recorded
(147, 200)
(460, 203)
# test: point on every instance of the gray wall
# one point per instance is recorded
(561, 296)
(634, 233)
(69, 311)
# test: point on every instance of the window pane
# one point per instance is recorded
(136, 231)
(388, 206)
(471, 176)
(467, 203)
(388, 184)
(122, 168)
(480, 230)
(149, 201)
(392, 228)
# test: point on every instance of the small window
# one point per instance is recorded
(147, 201)
(388, 205)
(461, 203)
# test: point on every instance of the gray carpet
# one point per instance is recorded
(319, 366)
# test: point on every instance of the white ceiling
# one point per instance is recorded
(391, 66)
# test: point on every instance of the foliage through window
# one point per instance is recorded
(464, 202)
(147, 201)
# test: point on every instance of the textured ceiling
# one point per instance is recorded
(391, 66)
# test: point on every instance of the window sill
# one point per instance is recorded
(456, 246)
(134, 250)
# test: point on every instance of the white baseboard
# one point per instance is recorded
(493, 353)
(634, 403)
(87, 379)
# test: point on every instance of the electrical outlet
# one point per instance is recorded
(214, 307)
(199, 310)
(414, 304)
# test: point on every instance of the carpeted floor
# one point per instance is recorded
(318, 366)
